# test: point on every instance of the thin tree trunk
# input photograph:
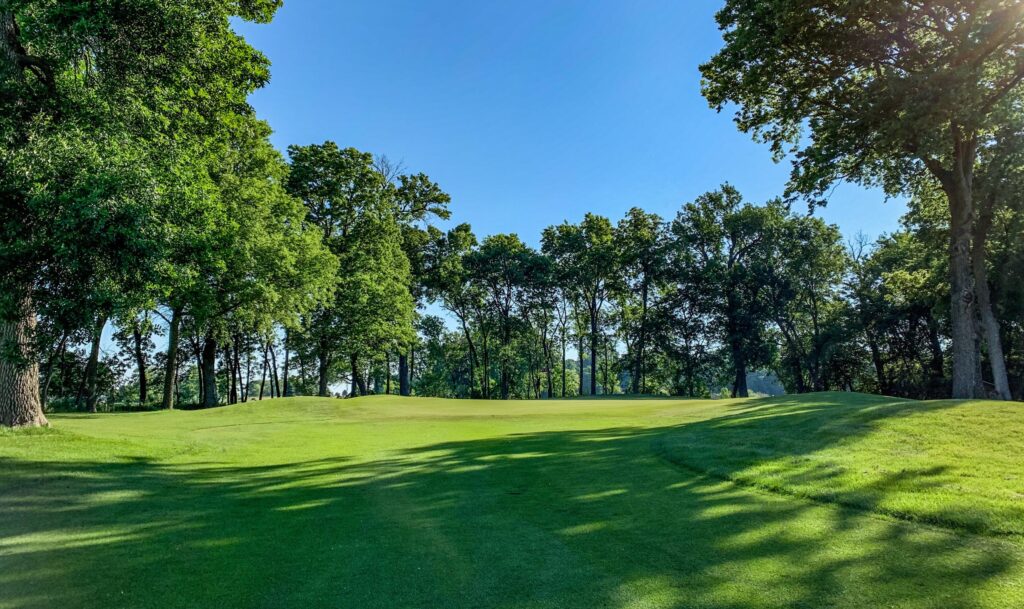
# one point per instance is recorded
(275, 385)
(140, 363)
(61, 347)
(581, 364)
(171, 365)
(403, 374)
(92, 367)
(229, 370)
(356, 384)
(563, 366)
(593, 346)
(322, 368)
(19, 371)
(387, 373)
(263, 370)
(284, 376)
(209, 361)
(248, 375)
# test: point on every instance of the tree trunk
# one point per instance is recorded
(275, 385)
(322, 368)
(563, 366)
(229, 370)
(210, 397)
(263, 370)
(92, 366)
(485, 379)
(170, 366)
(581, 354)
(284, 375)
(19, 371)
(403, 374)
(640, 383)
(989, 323)
(957, 183)
(387, 373)
(739, 388)
(61, 348)
(140, 363)
(356, 382)
(593, 346)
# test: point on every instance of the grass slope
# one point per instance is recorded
(827, 500)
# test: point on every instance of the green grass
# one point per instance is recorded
(827, 500)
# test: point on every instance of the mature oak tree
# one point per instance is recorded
(877, 92)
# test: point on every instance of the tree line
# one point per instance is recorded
(140, 192)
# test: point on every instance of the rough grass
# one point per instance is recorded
(827, 500)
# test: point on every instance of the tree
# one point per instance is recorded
(586, 254)
(355, 208)
(639, 243)
(417, 200)
(879, 92)
(503, 265)
(94, 100)
(721, 247)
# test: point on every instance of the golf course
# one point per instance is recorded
(820, 500)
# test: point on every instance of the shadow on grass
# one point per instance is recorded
(553, 519)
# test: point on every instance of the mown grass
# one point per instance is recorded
(828, 500)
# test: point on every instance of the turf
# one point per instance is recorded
(827, 500)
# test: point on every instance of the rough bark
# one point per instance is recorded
(171, 366)
(957, 183)
(19, 371)
(989, 323)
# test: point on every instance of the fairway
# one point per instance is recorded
(824, 500)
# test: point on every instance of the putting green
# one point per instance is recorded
(825, 500)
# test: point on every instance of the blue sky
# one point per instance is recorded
(528, 113)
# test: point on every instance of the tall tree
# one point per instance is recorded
(586, 254)
(639, 243)
(721, 251)
(879, 92)
(94, 100)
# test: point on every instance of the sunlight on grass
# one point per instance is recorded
(388, 502)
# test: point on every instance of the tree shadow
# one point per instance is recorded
(593, 518)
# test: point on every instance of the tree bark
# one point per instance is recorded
(19, 371)
(229, 370)
(140, 363)
(957, 183)
(563, 366)
(403, 374)
(593, 346)
(275, 385)
(263, 370)
(581, 354)
(209, 361)
(357, 383)
(92, 366)
(171, 365)
(284, 375)
(989, 323)
(323, 365)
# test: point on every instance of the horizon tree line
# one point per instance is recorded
(141, 192)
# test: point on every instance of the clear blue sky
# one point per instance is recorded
(530, 112)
